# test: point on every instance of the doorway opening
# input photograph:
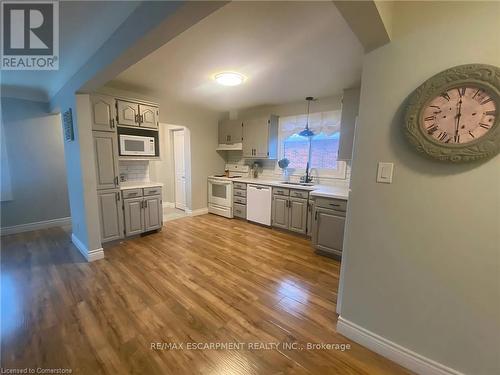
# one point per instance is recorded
(179, 173)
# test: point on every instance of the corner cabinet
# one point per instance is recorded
(110, 215)
(260, 138)
(328, 226)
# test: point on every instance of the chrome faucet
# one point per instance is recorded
(307, 178)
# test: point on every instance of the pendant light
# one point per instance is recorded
(307, 132)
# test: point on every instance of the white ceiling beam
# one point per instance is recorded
(371, 21)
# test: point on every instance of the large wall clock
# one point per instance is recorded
(454, 115)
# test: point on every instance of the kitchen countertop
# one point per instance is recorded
(139, 185)
(327, 191)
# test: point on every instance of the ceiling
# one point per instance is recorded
(287, 50)
(84, 26)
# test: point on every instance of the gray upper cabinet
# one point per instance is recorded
(350, 109)
(298, 215)
(128, 113)
(328, 230)
(148, 116)
(230, 131)
(103, 113)
(280, 212)
(110, 215)
(260, 138)
(153, 213)
(106, 160)
(134, 216)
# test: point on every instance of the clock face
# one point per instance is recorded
(459, 115)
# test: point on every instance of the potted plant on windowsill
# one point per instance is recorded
(283, 164)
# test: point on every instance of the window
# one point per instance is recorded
(324, 149)
(324, 145)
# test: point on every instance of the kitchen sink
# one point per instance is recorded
(298, 183)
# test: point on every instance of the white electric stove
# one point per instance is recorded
(220, 189)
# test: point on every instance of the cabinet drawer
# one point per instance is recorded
(132, 193)
(240, 210)
(240, 193)
(240, 200)
(156, 190)
(333, 204)
(299, 194)
(239, 185)
(281, 191)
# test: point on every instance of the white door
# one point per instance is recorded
(179, 170)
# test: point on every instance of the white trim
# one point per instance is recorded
(168, 205)
(91, 255)
(397, 353)
(35, 226)
(200, 211)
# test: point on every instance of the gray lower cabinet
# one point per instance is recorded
(289, 213)
(153, 213)
(110, 215)
(142, 213)
(106, 160)
(133, 215)
(280, 212)
(328, 229)
(298, 215)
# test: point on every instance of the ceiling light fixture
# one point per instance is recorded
(229, 78)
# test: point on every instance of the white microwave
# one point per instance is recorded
(137, 145)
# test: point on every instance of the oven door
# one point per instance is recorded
(220, 192)
(137, 145)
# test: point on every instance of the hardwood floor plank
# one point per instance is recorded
(202, 280)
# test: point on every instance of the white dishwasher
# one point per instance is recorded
(259, 204)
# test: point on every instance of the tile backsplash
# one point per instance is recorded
(134, 170)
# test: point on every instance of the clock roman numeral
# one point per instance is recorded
(475, 94)
(430, 118)
(461, 91)
(484, 126)
(446, 96)
(442, 136)
(456, 138)
(435, 106)
(486, 101)
(472, 135)
(432, 129)
(490, 113)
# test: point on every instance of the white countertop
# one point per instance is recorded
(327, 191)
(139, 185)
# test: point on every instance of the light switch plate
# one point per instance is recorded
(384, 172)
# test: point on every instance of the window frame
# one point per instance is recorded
(327, 173)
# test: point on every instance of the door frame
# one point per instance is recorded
(174, 157)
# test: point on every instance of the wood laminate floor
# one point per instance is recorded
(201, 280)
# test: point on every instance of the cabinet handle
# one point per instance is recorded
(145, 204)
(334, 205)
(112, 123)
(116, 180)
(141, 118)
(316, 216)
(117, 196)
(136, 119)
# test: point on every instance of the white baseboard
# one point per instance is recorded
(35, 226)
(397, 353)
(168, 205)
(91, 255)
(200, 211)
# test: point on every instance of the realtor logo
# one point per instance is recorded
(30, 35)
